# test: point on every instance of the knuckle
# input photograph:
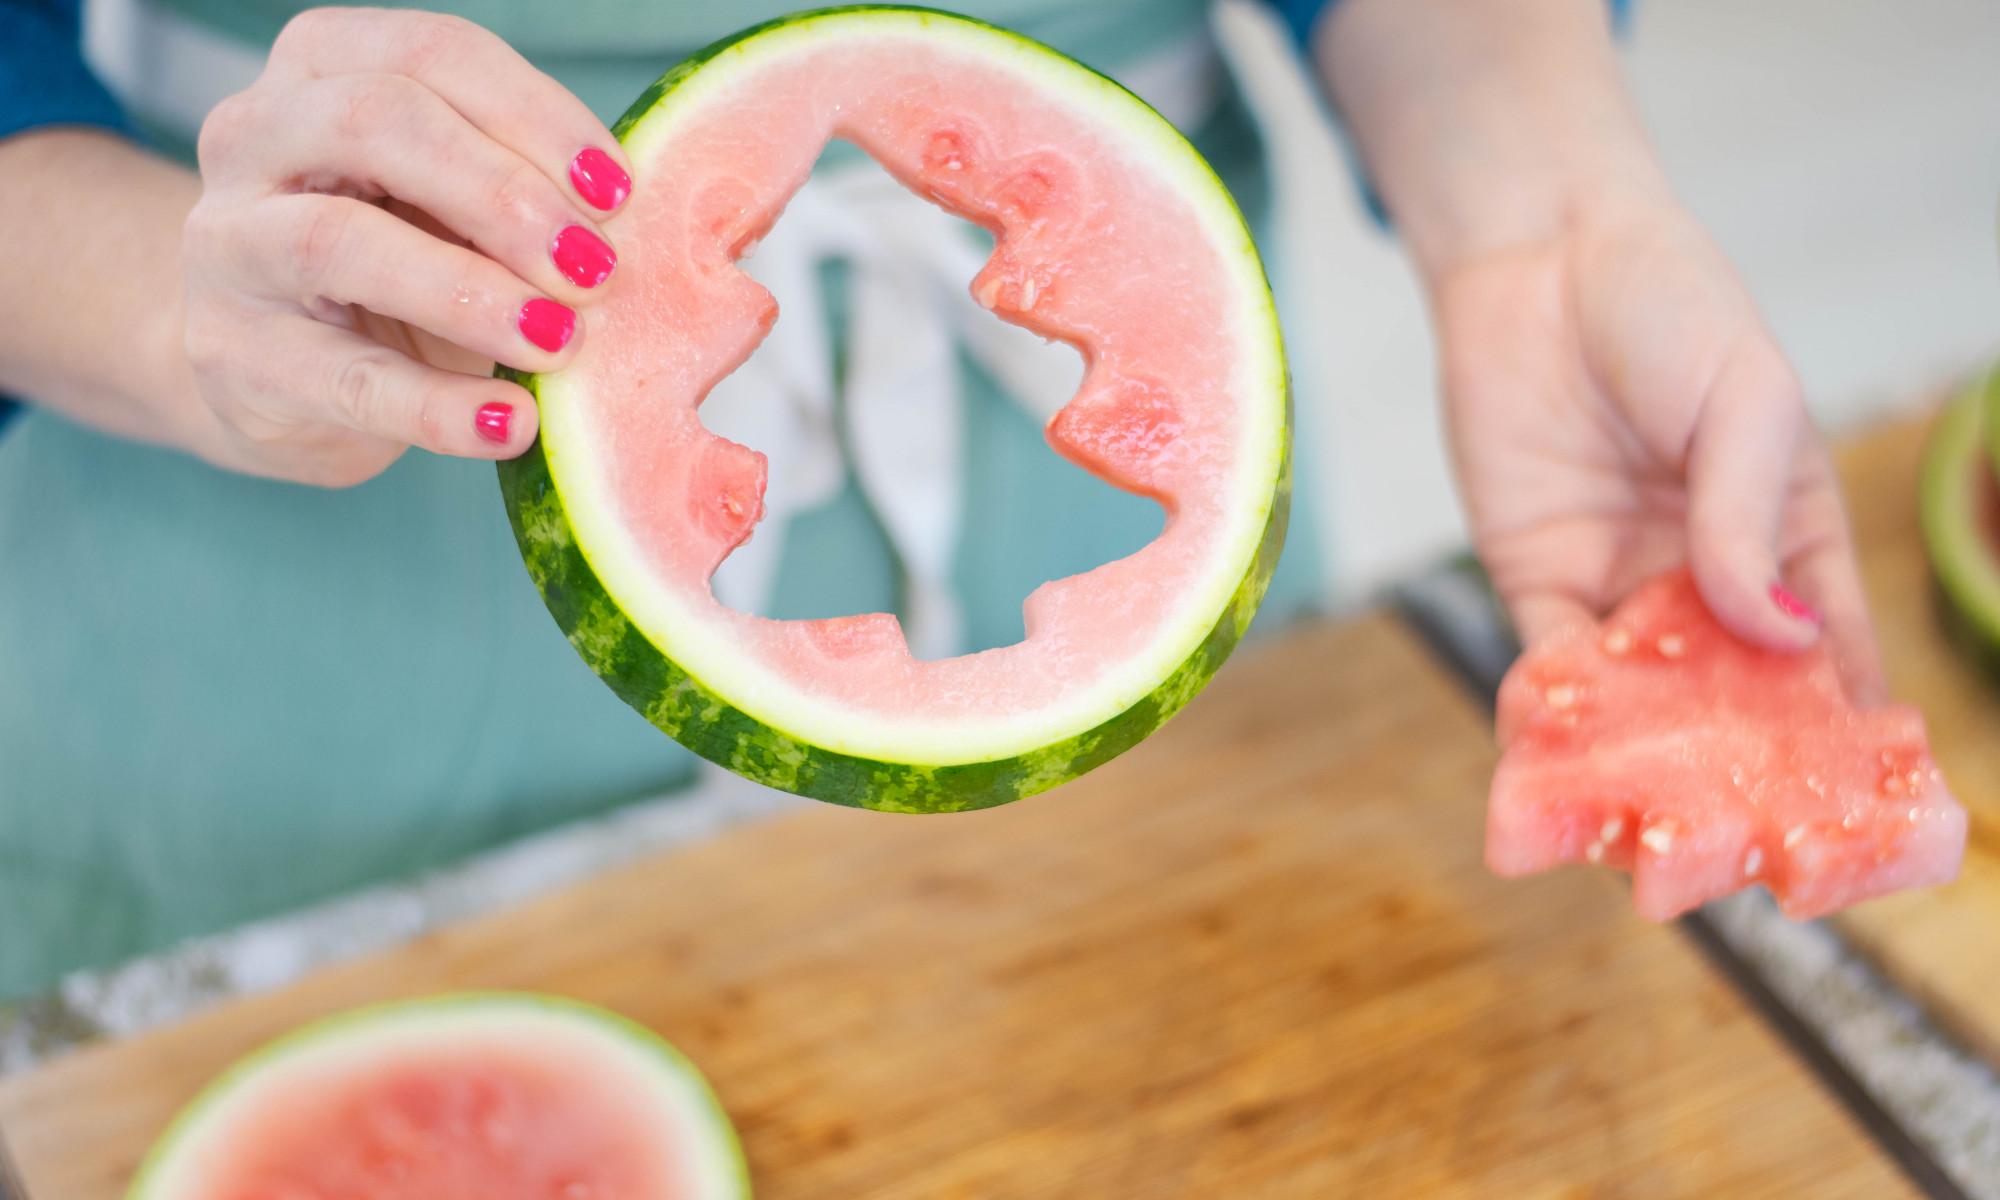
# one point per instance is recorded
(229, 128)
(430, 419)
(520, 193)
(206, 342)
(359, 391)
(369, 107)
(316, 242)
(423, 40)
(306, 30)
(201, 234)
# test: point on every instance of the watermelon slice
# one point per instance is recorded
(500, 1097)
(1661, 744)
(1111, 234)
(1959, 503)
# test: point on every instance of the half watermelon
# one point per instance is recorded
(1660, 743)
(1959, 503)
(1111, 235)
(499, 1096)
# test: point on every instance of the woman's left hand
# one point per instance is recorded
(1616, 406)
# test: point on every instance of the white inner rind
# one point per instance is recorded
(195, 1155)
(681, 631)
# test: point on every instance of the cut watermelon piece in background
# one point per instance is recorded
(499, 1096)
(1111, 234)
(1659, 743)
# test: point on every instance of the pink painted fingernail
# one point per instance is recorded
(599, 179)
(547, 324)
(492, 420)
(582, 257)
(1792, 606)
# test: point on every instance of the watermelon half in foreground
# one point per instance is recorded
(1111, 234)
(503, 1097)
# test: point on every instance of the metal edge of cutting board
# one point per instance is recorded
(1454, 613)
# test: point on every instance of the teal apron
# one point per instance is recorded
(223, 697)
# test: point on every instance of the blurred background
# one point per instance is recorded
(1844, 153)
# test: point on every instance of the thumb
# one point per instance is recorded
(1739, 475)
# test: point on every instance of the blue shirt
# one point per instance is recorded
(43, 79)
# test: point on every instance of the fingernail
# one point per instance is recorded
(547, 324)
(599, 179)
(492, 421)
(582, 257)
(1792, 606)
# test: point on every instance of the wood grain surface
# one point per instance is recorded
(1257, 957)
(1942, 945)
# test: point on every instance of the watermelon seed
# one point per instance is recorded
(1611, 830)
(1673, 645)
(1028, 293)
(1659, 839)
(1618, 641)
(1893, 784)
(1753, 862)
(953, 165)
(1794, 836)
(1562, 695)
(1594, 852)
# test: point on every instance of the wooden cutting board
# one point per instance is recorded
(1257, 957)
(1942, 945)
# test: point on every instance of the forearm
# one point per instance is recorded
(91, 299)
(1485, 123)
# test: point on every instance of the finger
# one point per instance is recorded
(1739, 473)
(476, 73)
(402, 140)
(330, 251)
(1820, 566)
(347, 379)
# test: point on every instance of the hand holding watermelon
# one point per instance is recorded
(399, 202)
(1617, 408)
(1615, 402)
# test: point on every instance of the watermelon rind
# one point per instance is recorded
(1950, 501)
(691, 690)
(723, 1172)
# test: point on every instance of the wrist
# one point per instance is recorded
(1502, 216)
(1487, 124)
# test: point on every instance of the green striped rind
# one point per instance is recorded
(678, 703)
(709, 725)
(1949, 498)
(694, 62)
(273, 1057)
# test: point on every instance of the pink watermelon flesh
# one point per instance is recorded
(1091, 250)
(1659, 743)
(504, 1121)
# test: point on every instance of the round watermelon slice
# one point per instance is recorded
(1959, 503)
(1111, 234)
(502, 1097)
(1659, 743)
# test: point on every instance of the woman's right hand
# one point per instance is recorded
(399, 202)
